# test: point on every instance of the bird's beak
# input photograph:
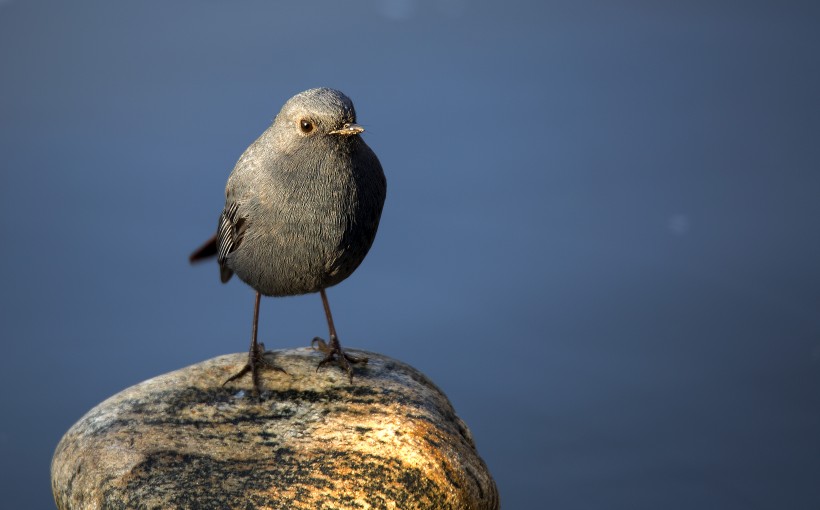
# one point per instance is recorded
(348, 129)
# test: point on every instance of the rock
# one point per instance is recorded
(313, 440)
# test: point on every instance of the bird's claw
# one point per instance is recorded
(335, 354)
(256, 363)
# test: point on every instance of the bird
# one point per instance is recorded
(302, 207)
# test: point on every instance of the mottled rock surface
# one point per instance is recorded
(389, 440)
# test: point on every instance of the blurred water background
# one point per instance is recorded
(601, 238)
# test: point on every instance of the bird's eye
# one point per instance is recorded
(306, 126)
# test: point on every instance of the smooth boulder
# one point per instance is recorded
(391, 439)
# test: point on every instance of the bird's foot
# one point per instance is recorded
(335, 354)
(256, 363)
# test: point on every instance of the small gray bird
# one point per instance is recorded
(302, 207)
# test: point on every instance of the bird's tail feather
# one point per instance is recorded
(205, 251)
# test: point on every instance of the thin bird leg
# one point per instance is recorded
(335, 348)
(256, 354)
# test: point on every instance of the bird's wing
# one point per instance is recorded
(229, 234)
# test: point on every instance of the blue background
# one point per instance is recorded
(601, 238)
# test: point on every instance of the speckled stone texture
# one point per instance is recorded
(313, 440)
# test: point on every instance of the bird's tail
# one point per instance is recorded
(205, 251)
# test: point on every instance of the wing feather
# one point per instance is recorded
(229, 234)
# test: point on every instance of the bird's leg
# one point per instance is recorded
(256, 355)
(334, 352)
